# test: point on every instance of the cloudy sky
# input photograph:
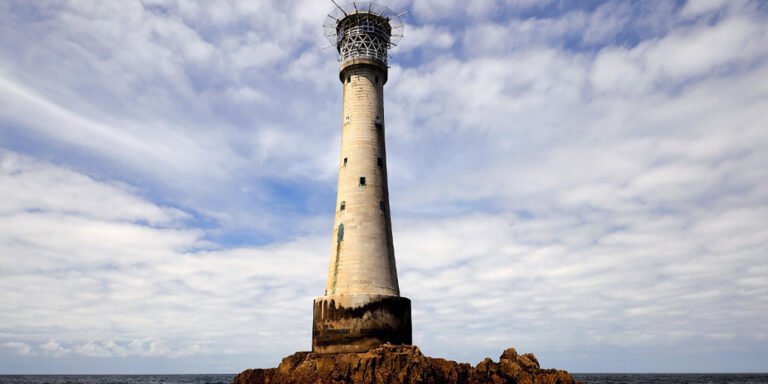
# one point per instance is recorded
(586, 180)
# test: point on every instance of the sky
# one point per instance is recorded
(584, 180)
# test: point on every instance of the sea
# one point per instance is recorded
(672, 378)
(589, 378)
(116, 379)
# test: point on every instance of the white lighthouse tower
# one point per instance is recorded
(362, 306)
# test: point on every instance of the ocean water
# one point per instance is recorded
(590, 378)
(116, 379)
(672, 378)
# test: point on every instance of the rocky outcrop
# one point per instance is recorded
(395, 364)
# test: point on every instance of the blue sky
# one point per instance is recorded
(582, 180)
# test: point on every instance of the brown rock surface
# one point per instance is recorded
(395, 364)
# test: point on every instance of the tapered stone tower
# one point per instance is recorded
(362, 306)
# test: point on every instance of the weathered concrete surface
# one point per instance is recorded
(359, 322)
(362, 253)
(390, 364)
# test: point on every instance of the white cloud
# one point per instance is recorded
(22, 349)
(680, 56)
(498, 39)
(146, 347)
(106, 349)
(255, 54)
(427, 36)
(246, 95)
(696, 8)
(431, 10)
(89, 276)
(53, 348)
(525, 279)
(607, 21)
(123, 142)
(185, 96)
(141, 347)
(26, 185)
(585, 211)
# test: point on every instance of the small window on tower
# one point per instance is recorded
(348, 79)
(377, 122)
(362, 181)
(340, 232)
(377, 79)
(345, 161)
(343, 205)
(379, 162)
(381, 206)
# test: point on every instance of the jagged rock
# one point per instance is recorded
(402, 364)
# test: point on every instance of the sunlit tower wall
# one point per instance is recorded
(362, 307)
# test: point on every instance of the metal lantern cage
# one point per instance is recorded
(363, 29)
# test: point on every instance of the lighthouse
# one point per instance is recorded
(362, 307)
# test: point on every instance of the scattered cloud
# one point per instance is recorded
(129, 279)
(426, 37)
(53, 348)
(20, 348)
(696, 8)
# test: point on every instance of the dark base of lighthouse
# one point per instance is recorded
(358, 322)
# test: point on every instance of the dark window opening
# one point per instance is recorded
(381, 206)
(345, 161)
(377, 79)
(343, 205)
(379, 162)
(348, 79)
(377, 122)
(340, 233)
(362, 181)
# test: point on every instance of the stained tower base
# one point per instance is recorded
(358, 322)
